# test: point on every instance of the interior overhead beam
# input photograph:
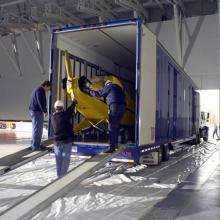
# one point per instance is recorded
(14, 63)
(173, 2)
(32, 53)
(19, 9)
(192, 38)
(109, 7)
(13, 20)
(51, 13)
(39, 46)
(179, 3)
(142, 9)
(159, 4)
(103, 6)
(11, 3)
(90, 9)
(4, 30)
(15, 49)
(158, 28)
(74, 18)
(178, 29)
(95, 12)
(26, 15)
(135, 6)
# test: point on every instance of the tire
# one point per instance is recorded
(204, 133)
(165, 152)
(160, 155)
(198, 140)
(205, 139)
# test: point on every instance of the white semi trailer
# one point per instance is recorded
(166, 102)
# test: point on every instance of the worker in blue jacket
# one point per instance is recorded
(38, 110)
(63, 135)
(115, 98)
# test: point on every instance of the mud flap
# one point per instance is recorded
(152, 158)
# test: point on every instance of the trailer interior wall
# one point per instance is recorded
(113, 49)
(114, 53)
(106, 47)
(200, 49)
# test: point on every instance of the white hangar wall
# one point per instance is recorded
(201, 61)
(200, 51)
(19, 87)
(15, 90)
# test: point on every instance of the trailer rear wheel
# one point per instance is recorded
(198, 139)
(205, 139)
(159, 156)
(165, 152)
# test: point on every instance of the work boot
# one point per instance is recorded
(42, 148)
(111, 150)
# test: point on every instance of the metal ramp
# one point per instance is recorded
(41, 199)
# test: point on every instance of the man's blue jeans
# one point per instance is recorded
(37, 128)
(116, 112)
(62, 153)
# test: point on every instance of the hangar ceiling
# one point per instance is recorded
(26, 15)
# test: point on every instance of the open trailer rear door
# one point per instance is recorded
(146, 86)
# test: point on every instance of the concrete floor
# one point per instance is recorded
(196, 197)
(12, 141)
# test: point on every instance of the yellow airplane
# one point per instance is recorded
(94, 110)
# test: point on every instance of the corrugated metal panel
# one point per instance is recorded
(175, 101)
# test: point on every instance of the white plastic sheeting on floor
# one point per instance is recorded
(129, 194)
(27, 179)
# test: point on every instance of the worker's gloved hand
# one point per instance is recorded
(86, 90)
(69, 84)
(84, 84)
(86, 87)
(72, 96)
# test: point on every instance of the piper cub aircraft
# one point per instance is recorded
(94, 110)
